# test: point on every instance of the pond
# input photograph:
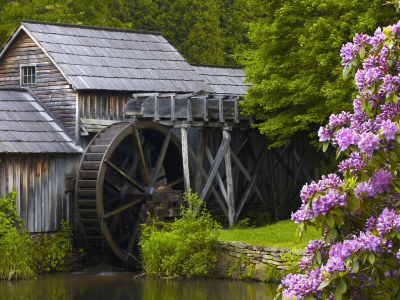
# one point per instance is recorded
(116, 286)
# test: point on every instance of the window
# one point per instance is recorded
(28, 75)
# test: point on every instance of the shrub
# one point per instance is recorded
(357, 211)
(19, 256)
(184, 248)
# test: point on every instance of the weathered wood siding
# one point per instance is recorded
(40, 181)
(51, 86)
(102, 105)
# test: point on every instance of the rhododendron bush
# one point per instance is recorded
(358, 210)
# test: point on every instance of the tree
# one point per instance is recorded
(358, 212)
(83, 12)
(292, 61)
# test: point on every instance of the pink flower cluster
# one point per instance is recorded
(370, 130)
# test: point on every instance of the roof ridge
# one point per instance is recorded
(91, 27)
(217, 66)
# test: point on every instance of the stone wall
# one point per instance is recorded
(251, 256)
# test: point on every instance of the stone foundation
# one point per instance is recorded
(252, 257)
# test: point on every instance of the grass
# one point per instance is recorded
(281, 234)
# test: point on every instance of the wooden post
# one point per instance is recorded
(229, 180)
(200, 154)
(185, 158)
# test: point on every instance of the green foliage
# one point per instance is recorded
(203, 31)
(242, 224)
(240, 263)
(271, 273)
(15, 261)
(8, 213)
(292, 60)
(19, 256)
(183, 248)
(292, 261)
(83, 12)
(49, 253)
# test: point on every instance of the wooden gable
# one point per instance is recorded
(51, 86)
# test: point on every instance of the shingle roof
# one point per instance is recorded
(25, 126)
(97, 58)
(223, 79)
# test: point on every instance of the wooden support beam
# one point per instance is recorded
(221, 109)
(248, 177)
(185, 159)
(229, 180)
(156, 108)
(254, 173)
(198, 181)
(205, 176)
(189, 117)
(219, 179)
(214, 167)
(301, 169)
(205, 109)
(285, 166)
(173, 117)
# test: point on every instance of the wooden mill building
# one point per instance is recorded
(93, 121)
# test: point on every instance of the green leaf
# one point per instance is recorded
(319, 259)
(371, 258)
(323, 285)
(343, 286)
(338, 294)
(329, 220)
(363, 105)
(325, 146)
(393, 156)
(395, 289)
(351, 205)
(361, 52)
(356, 265)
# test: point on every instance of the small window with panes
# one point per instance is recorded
(28, 75)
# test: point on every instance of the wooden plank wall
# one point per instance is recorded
(39, 180)
(51, 87)
(103, 105)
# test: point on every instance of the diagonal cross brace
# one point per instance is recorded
(247, 175)
(205, 176)
(215, 165)
(219, 179)
(254, 174)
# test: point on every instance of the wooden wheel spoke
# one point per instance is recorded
(135, 163)
(114, 223)
(132, 239)
(160, 158)
(123, 207)
(139, 150)
(123, 175)
(112, 200)
(112, 184)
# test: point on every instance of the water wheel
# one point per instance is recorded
(119, 175)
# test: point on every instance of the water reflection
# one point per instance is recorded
(116, 286)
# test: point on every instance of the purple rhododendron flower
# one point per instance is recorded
(389, 129)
